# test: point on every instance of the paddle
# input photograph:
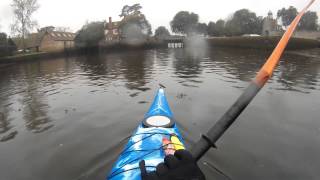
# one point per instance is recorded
(207, 140)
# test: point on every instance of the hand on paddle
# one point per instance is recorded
(180, 166)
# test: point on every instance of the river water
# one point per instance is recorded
(68, 118)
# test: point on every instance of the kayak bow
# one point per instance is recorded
(156, 136)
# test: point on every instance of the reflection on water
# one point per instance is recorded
(90, 102)
(34, 105)
(135, 67)
(5, 127)
(237, 64)
(187, 67)
(6, 132)
(299, 74)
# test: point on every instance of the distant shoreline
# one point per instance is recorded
(260, 42)
(34, 56)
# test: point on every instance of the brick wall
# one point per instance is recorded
(49, 45)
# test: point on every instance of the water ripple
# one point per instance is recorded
(37, 98)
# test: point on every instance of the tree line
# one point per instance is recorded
(7, 46)
(135, 25)
(241, 22)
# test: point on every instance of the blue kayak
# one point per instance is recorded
(156, 136)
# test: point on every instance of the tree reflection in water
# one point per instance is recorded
(188, 67)
(35, 107)
(292, 74)
(6, 129)
(136, 67)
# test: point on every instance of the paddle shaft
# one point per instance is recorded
(209, 139)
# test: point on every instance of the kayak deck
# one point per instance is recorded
(146, 143)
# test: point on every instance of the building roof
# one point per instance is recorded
(62, 36)
(34, 39)
(115, 25)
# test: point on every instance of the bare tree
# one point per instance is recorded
(23, 10)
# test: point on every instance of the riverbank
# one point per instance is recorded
(261, 42)
(310, 53)
(35, 56)
(264, 43)
(81, 51)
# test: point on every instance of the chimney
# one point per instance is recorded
(110, 23)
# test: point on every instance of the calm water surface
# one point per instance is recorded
(68, 118)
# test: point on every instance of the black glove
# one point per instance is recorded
(181, 166)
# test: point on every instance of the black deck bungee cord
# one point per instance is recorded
(140, 157)
(152, 151)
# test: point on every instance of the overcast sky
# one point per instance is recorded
(74, 13)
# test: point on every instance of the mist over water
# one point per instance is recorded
(68, 118)
(196, 46)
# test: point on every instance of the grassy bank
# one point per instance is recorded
(34, 56)
(261, 42)
(118, 47)
(23, 55)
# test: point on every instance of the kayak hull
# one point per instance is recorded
(146, 143)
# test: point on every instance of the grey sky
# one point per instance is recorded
(74, 13)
